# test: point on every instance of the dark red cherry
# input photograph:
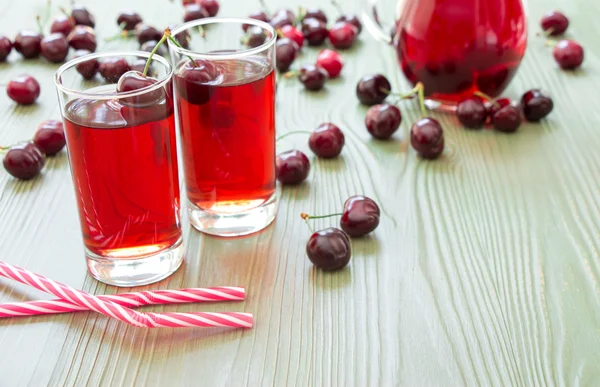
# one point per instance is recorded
(342, 35)
(194, 12)
(62, 24)
(427, 138)
(183, 38)
(211, 6)
(128, 20)
(23, 89)
(293, 33)
(27, 43)
(55, 47)
(82, 38)
(196, 83)
(149, 46)
(89, 68)
(287, 13)
(352, 19)
(373, 89)
(360, 216)
(292, 167)
(536, 105)
(24, 161)
(82, 16)
(507, 119)
(134, 80)
(555, 22)
(315, 13)
(326, 141)
(50, 137)
(5, 48)
(312, 77)
(471, 112)
(280, 21)
(568, 54)
(145, 32)
(315, 31)
(285, 52)
(112, 69)
(259, 15)
(255, 36)
(331, 61)
(493, 107)
(383, 120)
(329, 249)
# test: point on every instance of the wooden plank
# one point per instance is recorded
(484, 270)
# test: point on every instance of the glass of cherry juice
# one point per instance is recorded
(123, 156)
(224, 87)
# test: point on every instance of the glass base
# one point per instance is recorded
(139, 271)
(232, 224)
(440, 106)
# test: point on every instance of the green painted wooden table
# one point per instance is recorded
(484, 270)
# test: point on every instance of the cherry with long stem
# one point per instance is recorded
(487, 98)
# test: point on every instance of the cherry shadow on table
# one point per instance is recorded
(330, 280)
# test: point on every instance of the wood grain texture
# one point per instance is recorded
(484, 270)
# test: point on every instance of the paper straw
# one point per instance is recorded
(111, 309)
(131, 300)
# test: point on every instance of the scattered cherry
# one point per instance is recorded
(211, 6)
(5, 48)
(352, 19)
(568, 54)
(287, 13)
(89, 68)
(427, 138)
(536, 105)
(259, 15)
(255, 36)
(194, 12)
(331, 61)
(279, 21)
(286, 50)
(329, 249)
(149, 46)
(82, 16)
(292, 167)
(24, 161)
(360, 216)
(312, 77)
(383, 120)
(112, 69)
(62, 24)
(314, 31)
(471, 112)
(315, 13)
(23, 89)
(326, 141)
(145, 32)
(183, 37)
(496, 105)
(82, 38)
(55, 47)
(342, 35)
(373, 89)
(554, 23)
(129, 19)
(50, 137)
(507, 119)
(27, 43)
(293, 33)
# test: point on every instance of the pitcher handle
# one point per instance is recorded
(372, 23)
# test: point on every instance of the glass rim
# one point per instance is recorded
(223, 56)
(115, 95)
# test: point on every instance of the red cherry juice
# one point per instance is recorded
(460, 46)
(228, 136)
(124, 166)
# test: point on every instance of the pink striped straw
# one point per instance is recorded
(122, 313)
(131, 300)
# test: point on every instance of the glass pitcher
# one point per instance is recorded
(455, 47)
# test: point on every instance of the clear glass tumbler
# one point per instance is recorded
(123, 156)
(224, 86)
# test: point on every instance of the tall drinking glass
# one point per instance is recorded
(123, 155)
(225, 102)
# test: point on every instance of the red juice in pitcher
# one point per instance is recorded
(456, 47)
(124, 165)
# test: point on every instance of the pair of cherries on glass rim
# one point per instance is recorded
(567, 52)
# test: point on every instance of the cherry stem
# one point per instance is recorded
(301, 14)
(421, 92)
(290, 74)
(42, 23)
(487, 98)
(175, 42)
(165, 36)
(64, 11)
(408, 95)
(337, 6)
(202, 31)
(546, 33)
(265, 8)
(4, 149)
(550, 43)
(293, 132)
(38, 21)
(121, 34)
(308, 217)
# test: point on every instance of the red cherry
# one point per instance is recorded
(556, 22)
(292, 167)
(50, 137)
(89, 68)
(329, 249)
(135, 80)
(360, 216)
(128, 19)
(331, 61)
(507, 119)
(285, 52)
(112, 69)
(315, 13)
(259, 15)
(568, 54)
(196, 83)
(427, 138)
(27, 43)
(24, 161)
(383, 120)
(194, 12)
(23, 89)
(145, 32)
(55, 47)
(211, 6)
(352, 19)
(62, 24)
(312, 77)
(342, 35)
(326, 141)
(294, 34)
(82, 38)
(471, 112)
(82, 16)
(5, 48)
(314, 31)
(492, 107)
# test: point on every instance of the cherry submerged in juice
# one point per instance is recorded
(124, 166)
(228, 137)
(456, 47)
